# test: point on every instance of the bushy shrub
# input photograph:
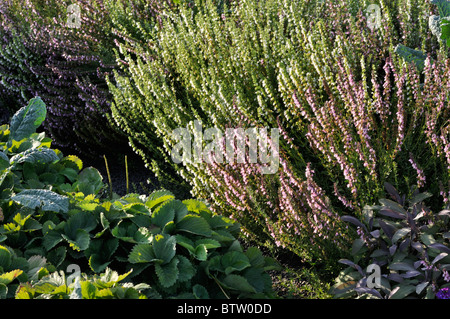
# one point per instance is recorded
(52, 215)
(407, 241)
(40, 54)
(351, 114)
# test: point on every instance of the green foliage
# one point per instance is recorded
(107, 285)
(312, 70)
(408, 241)
(52, 217)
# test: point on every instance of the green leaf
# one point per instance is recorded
(88, 290)
(8, 277)
(3, 291)
(27, 120)
(402, 291)
(39, 155)
(167, 273)
(164, 247)
(142, 253)
(185, 268)
(443, 7)
(200, 292)
(80, 241)
(5, 257)
(255, 257)
(201, 253)
(410, 55)
(194, 224)
(51, 239)
(158, 197)
(400, 234)
(234, 261)
(239, 283)
(445, 30)
(50, 201)
(90, 181)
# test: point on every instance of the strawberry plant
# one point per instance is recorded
(53, 214)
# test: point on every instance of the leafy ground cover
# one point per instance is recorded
(53, 219)
(358, 92)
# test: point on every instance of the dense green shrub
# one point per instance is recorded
(408, 241)
(53, 216)
(351, 113)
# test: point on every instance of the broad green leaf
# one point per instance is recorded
(164, 247)
(208, 243)
(201, 253)
(400, 234)
(90, 181)
(195, 205)
(45, 199)
(402, 291)
(185, 242)
(49, 283)
(255, 257)
(443, 7)
(35, 155)
(158, 197)
(80, 241)
(51, 239)
(239, 283)
(185, 268)
(200, 292)
(3, 291)
(27, 120)
(88, 290)
(5, 257)
(80, 220)
(194, 224)
(4, 161)
(74, 159)
(167, 273)
(8, 277)
(415, 56)
(445, 30)
(234, 261)
(142, 253)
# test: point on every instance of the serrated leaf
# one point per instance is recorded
(234, 261)
(194, 224)
(255, 257)
(27, 120)
(158, 197)
(90, 181)
(201, 253)
(167, 273)
(410, 55)
(80, 241)
(185, 268)
(164, 247)
(200, 292)
(142, 253)
(45, 199)
(239, 283)
(5, 257)
(35, 155)
(8, 277)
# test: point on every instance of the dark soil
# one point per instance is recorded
(140, 179)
